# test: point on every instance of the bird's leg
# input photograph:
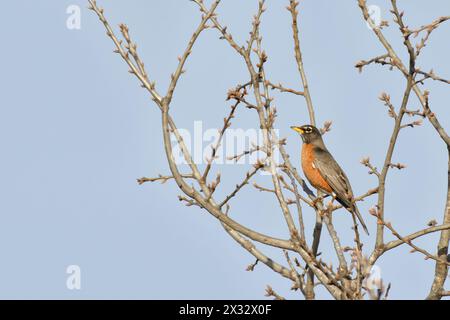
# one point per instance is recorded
(319, 199)
(329, 208)
(333, 197)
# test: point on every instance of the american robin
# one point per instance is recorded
(323, 172)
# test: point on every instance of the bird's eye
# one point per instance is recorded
(308, 129)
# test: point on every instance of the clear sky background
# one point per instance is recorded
(76, 130)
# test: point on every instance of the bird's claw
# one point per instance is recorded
(317, 200)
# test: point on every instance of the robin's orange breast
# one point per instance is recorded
(311, 172)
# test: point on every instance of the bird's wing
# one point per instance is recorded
(334, 176)
(338, 181)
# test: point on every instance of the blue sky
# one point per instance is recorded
(77, 130)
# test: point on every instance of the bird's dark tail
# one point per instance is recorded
(355, 211)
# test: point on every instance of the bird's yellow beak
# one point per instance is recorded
(298, 129)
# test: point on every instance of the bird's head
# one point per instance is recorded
(309, 133)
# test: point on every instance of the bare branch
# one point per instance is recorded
(395, 243)
(162, 178)
(408, 242)
(387, 102)
(239, 186)
(383, 60)
(143, 78)
(281, 88)
(226, 125)
(326, 127)
(430, 75)
(176, 75)
(271, 293)
(250, 247)
(292, 8)
(373, 170)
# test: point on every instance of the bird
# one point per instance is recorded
(323, 172)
